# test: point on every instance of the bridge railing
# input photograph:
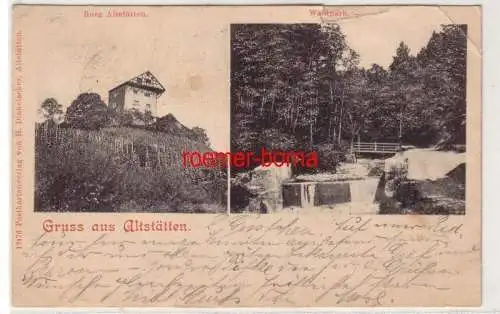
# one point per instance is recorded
(374, 147)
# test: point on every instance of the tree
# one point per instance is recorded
(121, 117)
(88, 111)
(141, 117)
(201, 135)
(444, 59)
(402, 62)
(304, 82)
(148, 117)
(404, 82)
(285, 76)
(51, 110)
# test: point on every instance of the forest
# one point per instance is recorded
(300, 87)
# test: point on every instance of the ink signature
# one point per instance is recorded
(248, 260)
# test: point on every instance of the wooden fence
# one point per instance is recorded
(375, 147)
(144, 151)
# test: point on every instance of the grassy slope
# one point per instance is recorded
(87, 172)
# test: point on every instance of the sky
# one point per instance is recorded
(187, 49)
(376, 37)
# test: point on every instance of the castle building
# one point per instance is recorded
(140, 93)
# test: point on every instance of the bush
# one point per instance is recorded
(132, 117)
(376, 169)
(88, 111)
(83, 174)
(79, 178)
(329, 155)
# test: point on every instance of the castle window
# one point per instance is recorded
(147, 94)
(135, 90)
(136, 103)
(148, 106)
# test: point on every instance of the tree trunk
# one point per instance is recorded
(297, 113)
(311, 135)
(340, 116)
(271, 114)
(329, 127)
(340, 127)
(262, 104)
(332, 114)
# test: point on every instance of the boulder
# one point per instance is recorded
(264, 184)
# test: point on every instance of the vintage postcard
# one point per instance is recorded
(246, 156)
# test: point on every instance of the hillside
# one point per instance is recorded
(123, 169)
(170, 125)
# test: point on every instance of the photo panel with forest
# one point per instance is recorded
(387, 123)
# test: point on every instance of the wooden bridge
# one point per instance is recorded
(375, 147)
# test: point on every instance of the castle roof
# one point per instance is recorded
(146, 81)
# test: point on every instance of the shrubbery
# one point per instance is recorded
(99, 159)
(84, 176)
(88, 111)
(329, 156)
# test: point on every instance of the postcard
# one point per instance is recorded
(246, 156)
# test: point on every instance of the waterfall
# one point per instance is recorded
(307, 191)
(313, 194)
(363, 191)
